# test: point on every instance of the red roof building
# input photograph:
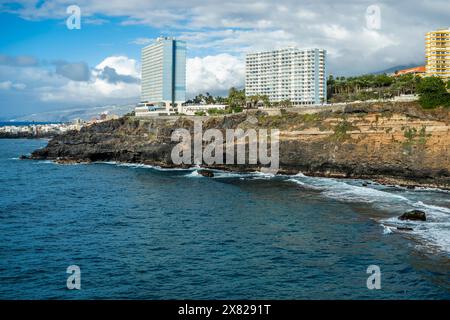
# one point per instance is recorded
(415, 71)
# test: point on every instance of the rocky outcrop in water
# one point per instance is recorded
(206, 173)
(405, 229)
(414, 215)
(393, 143)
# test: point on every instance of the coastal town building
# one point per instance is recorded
(38, 130)
(288, 74)
(437, 53)
(149, 111)
(163, 82)
(190, 110)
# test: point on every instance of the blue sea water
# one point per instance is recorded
(146, 233)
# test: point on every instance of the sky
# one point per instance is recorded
(46, 66)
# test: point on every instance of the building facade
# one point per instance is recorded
(190, 110)
(288, 74)
(437, 53)
(163, 80)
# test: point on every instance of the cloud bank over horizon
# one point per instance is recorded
(218, 34)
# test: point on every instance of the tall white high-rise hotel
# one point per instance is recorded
(163, 81)
(288, 74)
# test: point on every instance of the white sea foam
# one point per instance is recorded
(226, 174)
(436, 210)
(108, 162)
(144, 166)
(45, 162)
(135, 165)
(387, 229)
(262, 175)
(300, 174)
(435, 232)
(194, 174)
(296, 181)
(343, 191)
(425, 189)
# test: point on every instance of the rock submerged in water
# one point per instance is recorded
(206, 173)
(405, 229)
(413, 215)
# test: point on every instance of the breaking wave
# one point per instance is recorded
(435, 231)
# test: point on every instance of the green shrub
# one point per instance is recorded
(433, 93)
(340, 130)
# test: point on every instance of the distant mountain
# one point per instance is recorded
(68, 115)
(396, 68)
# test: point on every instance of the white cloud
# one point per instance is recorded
(219, 34)
(8, 85)
(98, 90)
(122, 64)
(19, 86)
(237, 26)
(214, 74)
(5, 85)
(334, 31)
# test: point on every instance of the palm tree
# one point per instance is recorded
(236, 98)
(266, 101)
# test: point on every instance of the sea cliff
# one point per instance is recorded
(393, 143)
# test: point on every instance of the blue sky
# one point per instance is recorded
(51, 40)
(45, 66)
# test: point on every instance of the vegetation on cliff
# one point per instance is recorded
(370, 86)
(433, 93)
(431, 90)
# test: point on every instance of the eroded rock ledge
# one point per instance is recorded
(392, 143)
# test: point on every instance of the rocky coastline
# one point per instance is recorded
(25, 135)
(391, 143)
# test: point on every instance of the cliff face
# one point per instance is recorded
(394, 143)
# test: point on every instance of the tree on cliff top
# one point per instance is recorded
(433, 93)
(236, 98)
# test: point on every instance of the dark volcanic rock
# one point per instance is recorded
(405, 228)
(416, 215)
(206, 173)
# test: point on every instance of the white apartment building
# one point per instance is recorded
(288, 74)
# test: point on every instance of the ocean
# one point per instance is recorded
(141, 232)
